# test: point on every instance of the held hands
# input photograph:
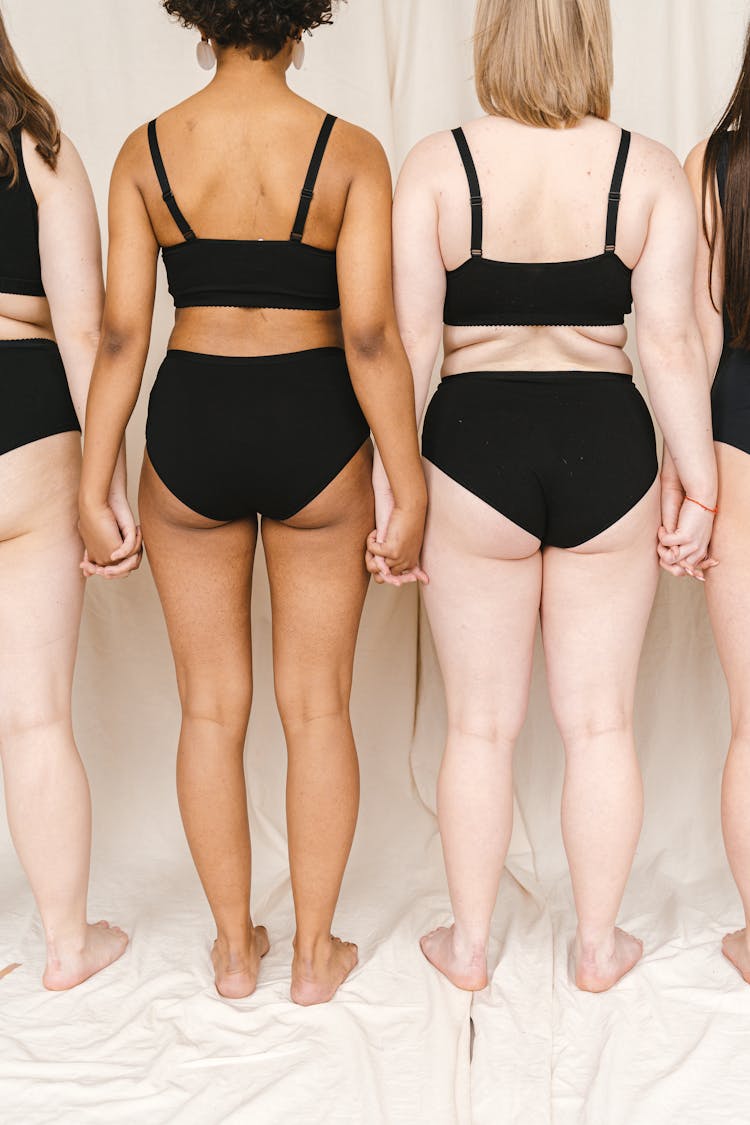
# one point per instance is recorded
(392, 555)
(685, 534)
(112, 540)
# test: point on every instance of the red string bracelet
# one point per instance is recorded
(713, 511)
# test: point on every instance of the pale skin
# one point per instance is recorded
(726, 586)
(545, 195)
(41, 588)
(230, 188)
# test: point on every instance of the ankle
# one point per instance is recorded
(66, 941)
(595, 941)
(310, 949)
(470, 947)
(235, 940)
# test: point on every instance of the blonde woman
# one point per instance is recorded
(522, 239)
(51, 298)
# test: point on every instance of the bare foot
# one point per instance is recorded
(103, 945)
(236, 972)
(736, 948)
(598, 968)
(466, 969)
(315, 980)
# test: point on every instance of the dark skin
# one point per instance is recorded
(234, 180)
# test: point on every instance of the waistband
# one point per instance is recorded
(29, 344)
(254, 360)
(540, 378)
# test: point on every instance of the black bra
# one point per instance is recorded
(20, 265)
(586, 292)
(251, 274)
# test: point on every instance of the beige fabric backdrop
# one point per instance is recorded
(150, 1040)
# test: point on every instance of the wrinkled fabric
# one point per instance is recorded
(149, 1039)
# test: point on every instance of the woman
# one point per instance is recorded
(50, 295)
(254, 411)
(527, 234)
(719, 172)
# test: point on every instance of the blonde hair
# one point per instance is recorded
(546, 63)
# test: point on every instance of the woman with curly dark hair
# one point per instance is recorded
(285, 352)
(51, 297)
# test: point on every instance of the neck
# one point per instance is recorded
(234, 66)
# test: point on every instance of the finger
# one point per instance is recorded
(672, 538)
(382, 550)
(127, 547)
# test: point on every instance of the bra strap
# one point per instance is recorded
(166, 191)
(615, 195)
(312, 175)
(475, 193)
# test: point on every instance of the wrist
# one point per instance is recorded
(413, 500)
(92, 501)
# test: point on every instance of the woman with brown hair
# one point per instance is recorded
(51, 299)
(523, 239)
(719, 172)
(274, 223)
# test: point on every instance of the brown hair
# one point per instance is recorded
(20, 104)
(732, 137)
(546, 63)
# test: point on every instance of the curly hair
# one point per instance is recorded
(260, 26)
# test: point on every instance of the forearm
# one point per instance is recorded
(679, 392)
(382, 383)
(78, 352)
(112, 397)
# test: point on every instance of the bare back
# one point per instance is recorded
(545, 195)
(236, 169)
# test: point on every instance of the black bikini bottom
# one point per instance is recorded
(35, 400)
(730, 400)
(231, 437)
(563, 454)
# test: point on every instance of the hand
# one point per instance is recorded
(684, 549)
(393, 553)
(113, 541)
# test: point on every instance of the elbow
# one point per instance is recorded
(116, 342)
(368, 345)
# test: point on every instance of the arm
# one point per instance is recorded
(707, 301)
(126, 331)
(71, 257)
(419, 270)
(674, 364)
(377, 363)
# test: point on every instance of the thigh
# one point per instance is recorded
(203, 572)
(318, 584)
(483, 603)
(41, 587)
(596, 602)
(727, 587)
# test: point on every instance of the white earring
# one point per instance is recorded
(205, 54)
(298, 55)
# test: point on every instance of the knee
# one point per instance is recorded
(224, 704)
(498, 732)
(585, 727)
(303, 702)
(741, 727)
(21, 727)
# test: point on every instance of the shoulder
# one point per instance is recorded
(355, 144)
(437, 148)
(69, 172)
(653, 159)
(429, 162)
